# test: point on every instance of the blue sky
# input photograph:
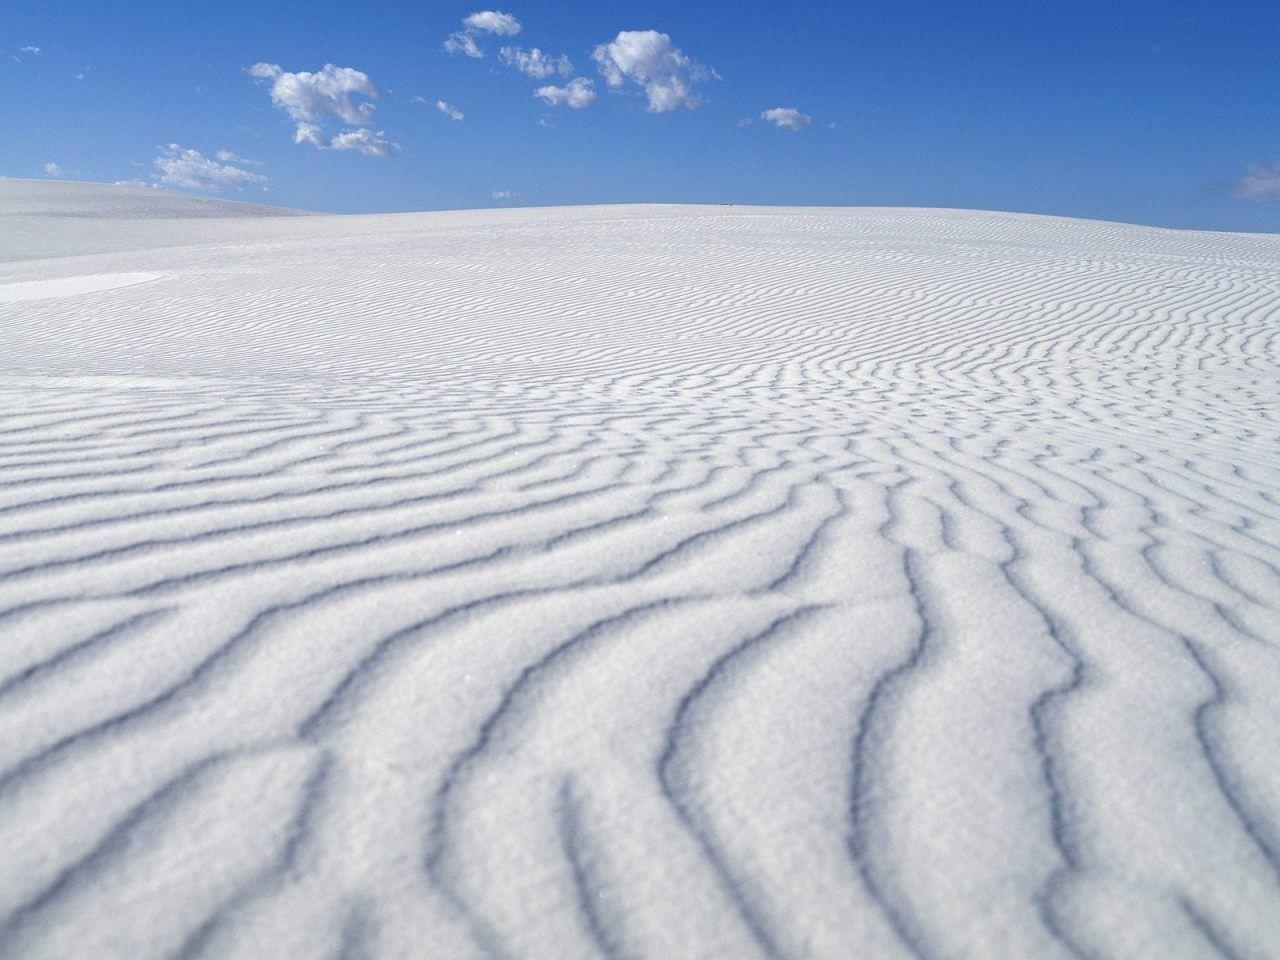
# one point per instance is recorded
(1161, 113)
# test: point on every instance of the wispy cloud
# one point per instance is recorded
(788, 118)
(1260, 184)
(463, 41)
(449, 111)
(51, 169)
(226, 156)
(191, 170)
(534, 63)
(367, 142)
(650, 60)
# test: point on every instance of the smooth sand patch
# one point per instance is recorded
(70, 286)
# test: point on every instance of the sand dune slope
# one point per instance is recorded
(666, 582)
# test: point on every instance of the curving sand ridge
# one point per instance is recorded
(671, 582)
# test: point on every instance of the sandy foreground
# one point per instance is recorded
(634, 582)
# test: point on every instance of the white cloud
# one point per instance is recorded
(226, 156)
(34, 51)
(192, 170)
(788, 118)
(577, 93)
(503, 195)
(493, 21)
(463, 41)
(649, 59)
(535, 63)
(363, 141)
(312, 134)
(51, 169)
(1260, 184)
(448, 111)
(484, 21)
(311, 97)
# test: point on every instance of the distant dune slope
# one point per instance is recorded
(668, 582)
(53, 198)
(48, 218)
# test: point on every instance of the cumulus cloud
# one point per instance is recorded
(1260, 184)
(178, 167)
(448, 111)
(312, 134)
(493, 21)
(577, 93)
(264, 71)
(363, 141)
(648, 59)
(788, 118)
(535, 63)
(311, 97)
(485, 21)
(51, 169)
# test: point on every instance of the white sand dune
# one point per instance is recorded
(664, 582)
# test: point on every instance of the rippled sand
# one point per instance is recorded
(669, 582)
